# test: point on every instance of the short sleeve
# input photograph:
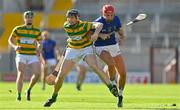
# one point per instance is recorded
(39, 38)
(118, 23)
(65, 26)
(14, 32)
(89, 25)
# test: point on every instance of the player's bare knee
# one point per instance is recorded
(20, 74)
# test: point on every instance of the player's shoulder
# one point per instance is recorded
(36, 29)
(84, 23)
(116, 18)
(99, 19)
(19, 27)
(66, 24)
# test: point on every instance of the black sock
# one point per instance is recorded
(19, 94)
(110, 86)
(29, 90)
(54, 96)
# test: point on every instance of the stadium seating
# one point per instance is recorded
(55, 21)
(62, 5)
(10, 20)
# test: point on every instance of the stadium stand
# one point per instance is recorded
(62, 5)
(55, 21)
(8, 25)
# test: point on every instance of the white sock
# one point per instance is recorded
(120, 92)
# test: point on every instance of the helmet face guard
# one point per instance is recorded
(70, 14)
(29, 14)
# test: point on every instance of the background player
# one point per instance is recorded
(50, 54)
(26, 40)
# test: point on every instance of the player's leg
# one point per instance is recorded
(108, 59)
(50, 64)
(20, 77)
(81, 75)
(119, 63)
(66, 67)
(92, 62)
(35, 67)
(68, 62)
(21, 66)
(44, 73)
(120, 67)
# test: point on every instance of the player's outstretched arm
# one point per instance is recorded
(98, 27)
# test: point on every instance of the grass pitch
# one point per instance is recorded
(93, 97)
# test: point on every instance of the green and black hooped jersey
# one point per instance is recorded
(78, 37)
(26, 38)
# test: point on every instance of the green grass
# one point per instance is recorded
(94, 97)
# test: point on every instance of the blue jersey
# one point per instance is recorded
(48, 47)
(108, 27)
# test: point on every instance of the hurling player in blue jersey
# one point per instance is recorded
(50, 55)
(107, 47)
